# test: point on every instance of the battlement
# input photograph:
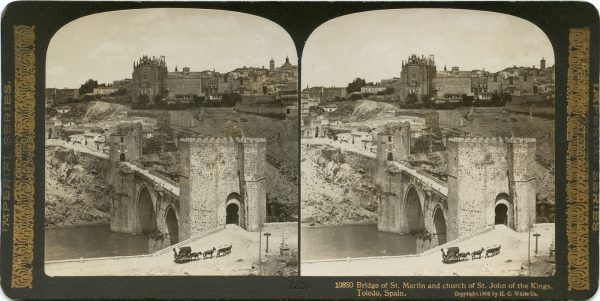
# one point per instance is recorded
(124, 128)
(492, 140)
(390, 129)
(213, 140)
(150, 61)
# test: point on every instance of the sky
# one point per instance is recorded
(104, 46)
(372, 45)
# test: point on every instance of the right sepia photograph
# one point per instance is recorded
(428, 146)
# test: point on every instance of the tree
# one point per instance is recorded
(354, 97)
(411, 98)
(427, 101)
(236, 97)
(355, 85)
(227, 101)
(143, 99)
(467, 100)
(198, 100)
(387, 91)
(316, 109)
(88, 86)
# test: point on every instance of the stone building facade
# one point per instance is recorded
(55, 97)
(416, 76)
(183, 83)
(126, 142)
(452, 85)
(393, 142)
(148, 77)
(222, 181)
(518, 85)
(490, 181)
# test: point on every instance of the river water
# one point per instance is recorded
(91, 241)
(329, 242)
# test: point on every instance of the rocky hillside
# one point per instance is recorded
(101, 111)
(334, 192)
(75, 192)
(368, 109)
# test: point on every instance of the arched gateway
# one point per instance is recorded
(414, 212)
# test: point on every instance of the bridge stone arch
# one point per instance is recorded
(235, 210)
(413, 210)
(171, 218)
(440, 224)
(146, 210)
(503, 210)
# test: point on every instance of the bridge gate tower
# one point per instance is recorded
(222, 181)
(490, 181)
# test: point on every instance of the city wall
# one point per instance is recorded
(217, 172)
(484, 173)
(450, 118)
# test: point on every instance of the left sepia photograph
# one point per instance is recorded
(171, 145)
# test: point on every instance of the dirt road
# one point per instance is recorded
(241, 261)
(512, 257)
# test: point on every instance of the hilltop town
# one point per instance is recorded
(177, 156)
(434, 155)
(169, 104)
(438, 104)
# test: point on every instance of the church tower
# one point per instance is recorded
(543, 63)
(272, 64)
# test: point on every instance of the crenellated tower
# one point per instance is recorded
(393, 142)
(222, 181)
(126, 142)
(490, 181)
(416, 76)
(148, 77)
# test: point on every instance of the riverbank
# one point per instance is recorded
(76, 193)
(335, 192)
(242, 260)
(512, 260)
(358, 240)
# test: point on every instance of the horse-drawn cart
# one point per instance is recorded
(185, 255)
(451, 255)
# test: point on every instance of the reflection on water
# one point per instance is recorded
(353, 241)
(91, 241)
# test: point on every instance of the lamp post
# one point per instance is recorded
(267, 234)
(260, 251)
(536, 241)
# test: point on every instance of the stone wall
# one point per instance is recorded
(452, 85)
(214, 171)
(481, 172)
(450, 118)
(126, 142)
(183, 119)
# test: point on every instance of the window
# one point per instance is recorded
(414, 75)
(389, 138)
(122, 139)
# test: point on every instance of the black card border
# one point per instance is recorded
(299, 19)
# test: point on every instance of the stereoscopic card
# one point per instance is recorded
(291, 150)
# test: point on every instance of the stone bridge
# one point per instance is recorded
(221, 181)
(489, 181)
(144, 203)
(413, 203)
